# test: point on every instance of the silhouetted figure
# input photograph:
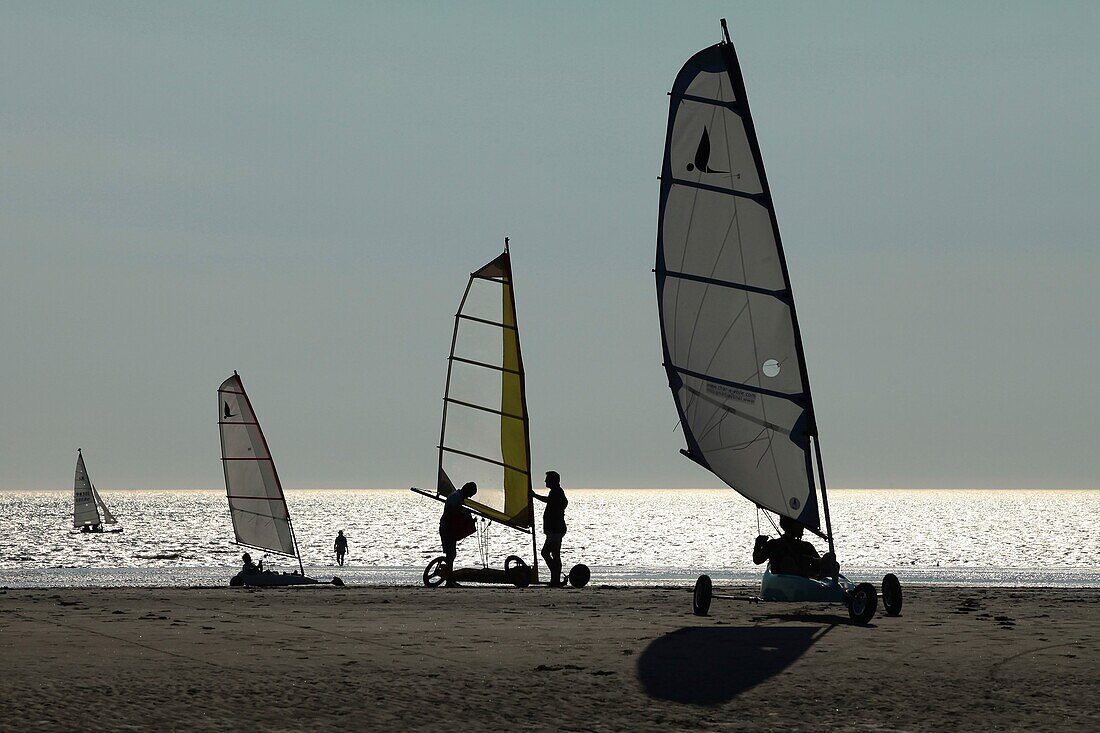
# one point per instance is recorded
(553, 525)
(251, 568)
(340, 547)
(456, 523)
(790, 554)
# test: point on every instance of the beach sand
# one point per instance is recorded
(396, 659)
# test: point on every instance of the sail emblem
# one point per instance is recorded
(228, 413)
(702, 155)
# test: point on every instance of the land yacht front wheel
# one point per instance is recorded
(862, 603)
(700, 598)
(436, 572)
(891, 594)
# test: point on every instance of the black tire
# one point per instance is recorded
(517, 571)
(436, 572)
(862, 604)
(891, 594)
(337, 581)
(700, 598)
(236, 581)
(579, 575)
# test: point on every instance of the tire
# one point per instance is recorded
(579, 575)
(436, 572)
(862, 604)
(337, 581)
(891, 594)
(517, 571)
(700, 598)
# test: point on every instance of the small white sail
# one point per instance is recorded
(85, 512)
(108, 518)
(256, 503)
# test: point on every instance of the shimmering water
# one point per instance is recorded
(625, 536)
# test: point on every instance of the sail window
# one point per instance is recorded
(770, 368)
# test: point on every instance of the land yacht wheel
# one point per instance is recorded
(891, 594)
(517, 571)
(579, 575)
(862, 603)
(700, 599)
(436, 572)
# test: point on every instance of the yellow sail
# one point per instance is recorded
(513, 433)
(484, 436)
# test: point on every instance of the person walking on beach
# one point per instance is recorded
(553, 525)
(340, 547)
(456, 523)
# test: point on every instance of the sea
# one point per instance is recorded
(626, 536)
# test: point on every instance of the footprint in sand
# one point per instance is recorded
(557, 667)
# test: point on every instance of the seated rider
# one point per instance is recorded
(791, 555)
(251, 568)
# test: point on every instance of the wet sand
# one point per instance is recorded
(598, 659)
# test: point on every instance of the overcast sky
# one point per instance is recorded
(298, 191)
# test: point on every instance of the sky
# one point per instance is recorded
(298, 191)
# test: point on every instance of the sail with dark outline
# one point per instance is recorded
(732, 348)
(484, 437)
(85, 506)
(256, 502)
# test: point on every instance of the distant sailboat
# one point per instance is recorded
(90, 512)
(484, 434)
(257, 505)
(732, 348)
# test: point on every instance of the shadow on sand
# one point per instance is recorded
(710, 666)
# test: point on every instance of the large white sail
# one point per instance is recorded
(85, 511)
(732, 348)
(256, 503)
(484, 433)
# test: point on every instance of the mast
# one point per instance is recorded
(733, 69)
(297, 552)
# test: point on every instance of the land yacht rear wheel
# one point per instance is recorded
(517, 571)
(700, 598)
(436, 572)
(891, 594)
(862, 603)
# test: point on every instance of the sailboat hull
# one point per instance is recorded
(267, 580)
(784, 587)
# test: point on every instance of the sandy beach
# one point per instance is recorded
(600, 658)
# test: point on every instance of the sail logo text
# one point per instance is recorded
(731, 393)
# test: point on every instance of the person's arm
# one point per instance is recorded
(543, 499)
(760, 550)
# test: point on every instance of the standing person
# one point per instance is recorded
(553, 525)
(340, 547)
(456, 523)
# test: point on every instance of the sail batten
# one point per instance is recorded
(257, 505)
(484, 436)
(732, 349)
